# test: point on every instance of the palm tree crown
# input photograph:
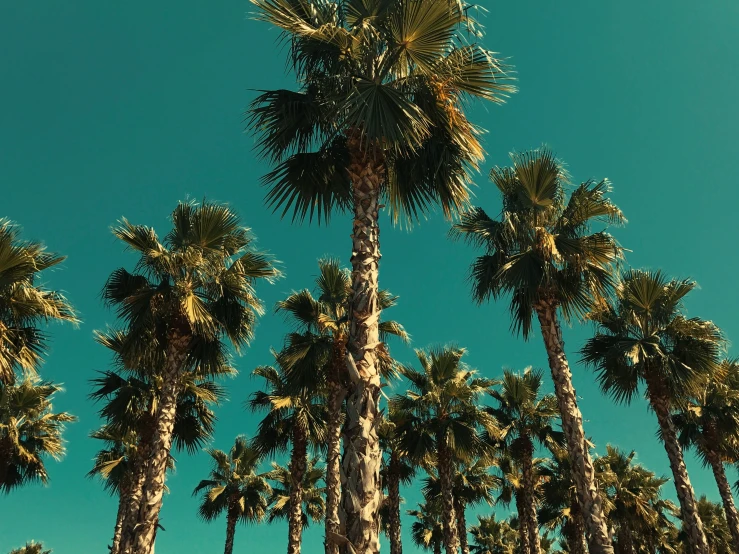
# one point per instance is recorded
(313, 504)
(24, 304)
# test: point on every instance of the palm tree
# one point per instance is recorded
(313, 505)
(397, 469)
(30, 431)
(472, 485)
(642, 337)
(560, 507)
(441, 419)
(31, 548)
(294, 422)
(234, 487)
(492, 536)
(524, 417)
(634, 501)
(427, 531)
(710, 422)
(543, 254)
(131, 395)
(24, 305)
(314, 358)
(715, 528)
(189, 293)
(378, 118)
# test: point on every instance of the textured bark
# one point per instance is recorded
(529, 498)
(437, 547)
(123, 496)
(575, 531)
(337, 392)
(363, 457)
(298, 462)
(660, 402)
(459, 511)
(583, 474)
(156, 474)
(719, 473)
(233, 517)
(523, 528)
(625, 544)
(393, 497)
(448, 516)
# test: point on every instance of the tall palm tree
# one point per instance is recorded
(543, 253)
(441, 420)
(313, 507)
(560, 507)
(634, 501)
(643, 337)
(190, 292)
(472, 485)
(234, 487)
(427, 531)
(24, 305)
(293, 422)
(493, 536)
(716, 530)
(30, 431)
(525, 416)
(397, 469)
(31, 548)
(314, 358)
(709, 421)
(378, 119)
(130, 396)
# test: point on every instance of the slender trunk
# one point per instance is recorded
(437, 547)
(583, 474)
(6, 457)
(576, 529)
(660, 402)
(625, 543)
(732, 519)
(362, 451)
(233, 517)
(446, 477)
(459, 511)
(298, 461)
(529, 497)
(337, 392)
(123, 497)
(523, 528)
(156, 474)
(393, 496)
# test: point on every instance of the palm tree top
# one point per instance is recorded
(543, 247)
(386, 77)
(314, 505)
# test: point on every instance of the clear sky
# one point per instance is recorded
(114, 109)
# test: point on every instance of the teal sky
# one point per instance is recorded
(122, 109)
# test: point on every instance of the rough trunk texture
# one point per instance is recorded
(719, 473)
(298, 462)
(337, 392)
(583, 473)
(448, 516)
(523, 528)
(136, 492)
(393, 497)
(625, 543)
(156, 474)
(362, 456)
(123, 497)
(660, 402)
(459, 511)
(437, 547)
(576, 529)
(529, 497)
(231, 520)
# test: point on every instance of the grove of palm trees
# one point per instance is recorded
(528, 365)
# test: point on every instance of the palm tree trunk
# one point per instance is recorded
(583, 473)
(233, 517)
(448, 516)
(576, 529)
(660, 401)
(459, 511)
(298, 461)
(156, 474)
(523, 527)
(437, 547)
(393, 494)
(529, 498)
(333, 455)
(362, 452)
(123, 496)
(732, 519)
(625, 542)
